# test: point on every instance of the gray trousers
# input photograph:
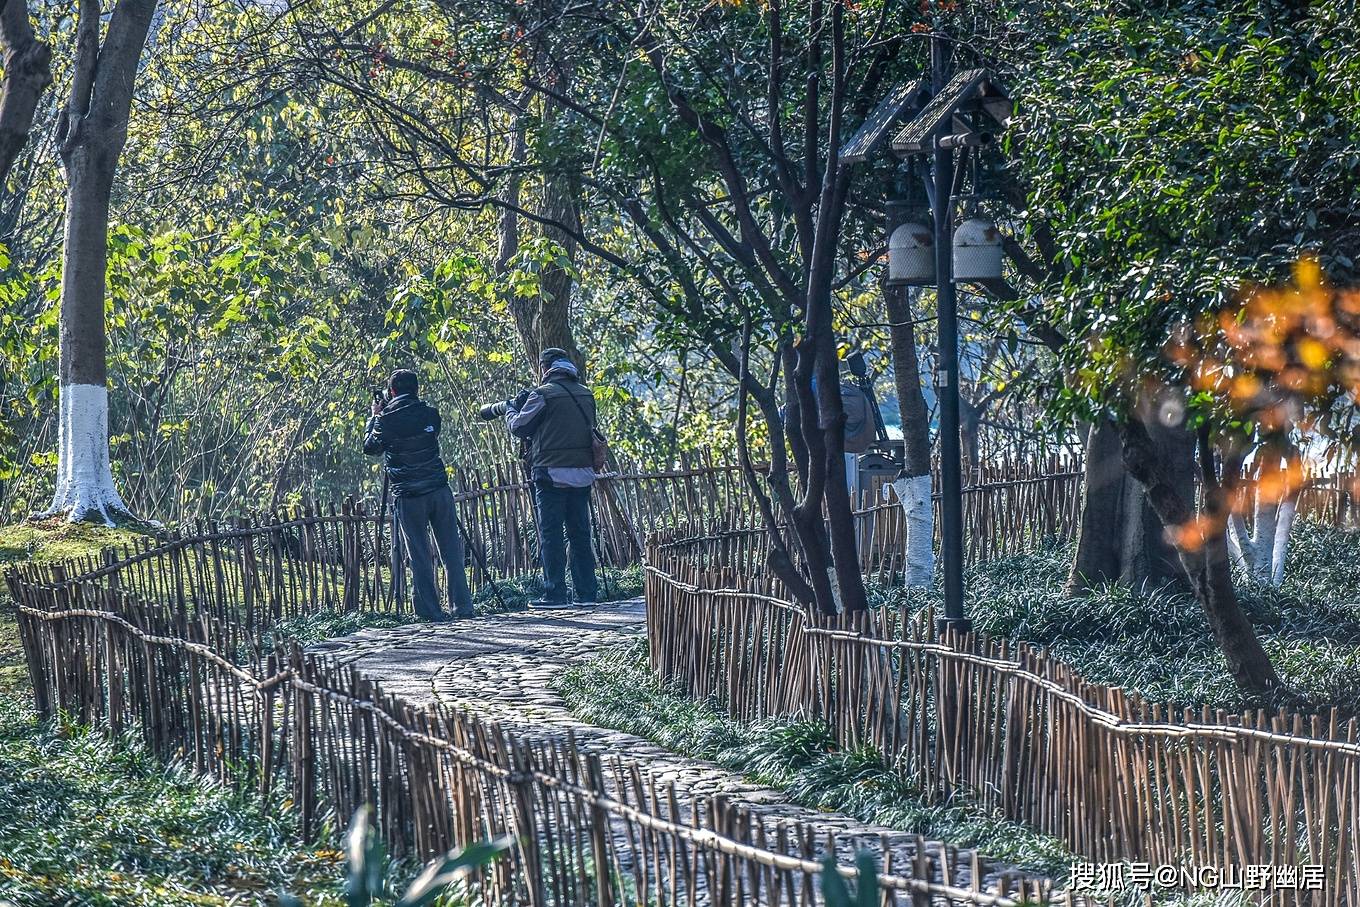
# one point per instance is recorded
(419, 516)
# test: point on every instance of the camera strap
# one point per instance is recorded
(599, 447)
(582, 410)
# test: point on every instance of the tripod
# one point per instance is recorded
(480, 557)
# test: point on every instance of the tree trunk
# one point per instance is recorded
(561, 204)
(806, 421)
(1211, 578)
(848, 581)
(913, 487)
(1120, 538)
(521, 310)
(544, 320)
(1203, 553)
(92, 131)
(84, 478)
(28, 72)
(823, 419)
(970, 422)
(1261, 552)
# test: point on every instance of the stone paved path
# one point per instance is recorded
(502, 667)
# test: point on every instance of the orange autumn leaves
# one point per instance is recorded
(1277, 480)
(1281, 359)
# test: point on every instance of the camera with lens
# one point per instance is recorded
(492, 411)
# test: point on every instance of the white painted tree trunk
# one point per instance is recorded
(1283, 526)
(1237, 530)
(90, 133)
(914, 494)
(84, 477)
(1261, 553)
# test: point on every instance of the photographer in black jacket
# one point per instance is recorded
(405, 430)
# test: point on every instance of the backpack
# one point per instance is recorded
(859, 420)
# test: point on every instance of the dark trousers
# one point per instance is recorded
(418, 517)
(565, 510)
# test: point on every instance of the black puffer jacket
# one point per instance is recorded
(407, 435)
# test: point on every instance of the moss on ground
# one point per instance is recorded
(48, 541)
(43, 542)
(13, 669)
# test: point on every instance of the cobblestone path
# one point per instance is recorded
(502, 667)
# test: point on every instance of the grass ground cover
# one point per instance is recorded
(49, 541)
(131, 846)
(42, 542)
(616, 690)
(1159, 643)
(516, 592)
(515, 595)
(89, 820)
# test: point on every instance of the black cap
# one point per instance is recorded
(551, 355)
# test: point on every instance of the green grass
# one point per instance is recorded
(1159, 644)
(13, 668)
(43, 542)
(616, 690)
(329, 624)
(48, 541)
(89, 820)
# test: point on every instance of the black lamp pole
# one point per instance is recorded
(947, 372)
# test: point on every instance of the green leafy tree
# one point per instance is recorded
(1164, 155)
(711, 183)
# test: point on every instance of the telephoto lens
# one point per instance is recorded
(493, 411)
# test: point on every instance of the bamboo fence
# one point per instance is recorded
(1113, 776)
(340, 557)
(185, 639)
(179, 659)
(346, 560)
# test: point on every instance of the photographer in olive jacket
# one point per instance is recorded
(557, 418)
(405, 430)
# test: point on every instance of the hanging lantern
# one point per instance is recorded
(977, 250)
(911, 255)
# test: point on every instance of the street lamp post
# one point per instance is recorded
(947, 114)
(947, 392)
(947, 369)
